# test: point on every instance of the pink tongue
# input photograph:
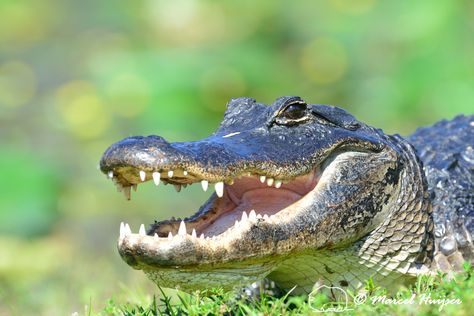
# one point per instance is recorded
(264, 201)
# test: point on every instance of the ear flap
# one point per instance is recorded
(335, 115)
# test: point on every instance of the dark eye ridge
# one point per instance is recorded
(294, 111)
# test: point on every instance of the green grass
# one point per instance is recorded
(411, 301)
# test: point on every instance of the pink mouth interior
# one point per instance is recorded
(247, 194)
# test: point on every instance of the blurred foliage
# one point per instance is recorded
(76, 76)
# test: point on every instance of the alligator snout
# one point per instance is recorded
(139, 151)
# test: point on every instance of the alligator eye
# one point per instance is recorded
(294, 112)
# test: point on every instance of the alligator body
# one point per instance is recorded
(304, 194)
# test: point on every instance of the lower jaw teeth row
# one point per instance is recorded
(125, 229)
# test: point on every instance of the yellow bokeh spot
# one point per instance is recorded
(323, 60)
(128, 95)
(82, 110)
(17, 84)
(352, 6)
(25, 22)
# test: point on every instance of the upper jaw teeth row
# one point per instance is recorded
(218, 186)
(125, 229)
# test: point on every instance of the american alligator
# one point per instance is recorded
(304, 193)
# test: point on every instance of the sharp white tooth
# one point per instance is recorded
(170, 236)
(262, 179)
(252, 214)
(244, 216)
(265, 216)
(126, 192)
(219, 186)
(193, 234)
(277, 184)
(142, 231)
(156, 177)
(270, 182)
(142, 175)
(201, 237)
(122, 230)
(177, 187)
(185, 172)
(170, 174)
(236, 225)
(110, 174)
(156, 236)
(259, 216)
(204, 184)
(126, 230)
(135, 187)
(182, 229)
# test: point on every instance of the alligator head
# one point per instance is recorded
(303, 192)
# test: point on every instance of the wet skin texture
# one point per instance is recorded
(340, 201)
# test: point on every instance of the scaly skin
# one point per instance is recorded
(344, 201)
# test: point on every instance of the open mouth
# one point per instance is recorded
(248, 198)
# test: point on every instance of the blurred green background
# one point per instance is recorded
(76, 76)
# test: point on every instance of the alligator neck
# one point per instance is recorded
(403, 243)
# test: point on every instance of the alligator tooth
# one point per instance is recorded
(177, 187)
(185, 173)
(126, 230)
(204, 184)
(142, 175)
(259, 216)
(170, 236)
(156, 237)
(193, 234)
(126, 192)
(122, 230)
(201, 237)
(219, 186)
(135, 187)
(270, 182)
(110, 174)
(265, 216)
(142, 231)
(236, 225)
(156, 177)
(277, 184)
(262, 179)
(252, 214)
(182, 229)
(170, 174)
(244, 216)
